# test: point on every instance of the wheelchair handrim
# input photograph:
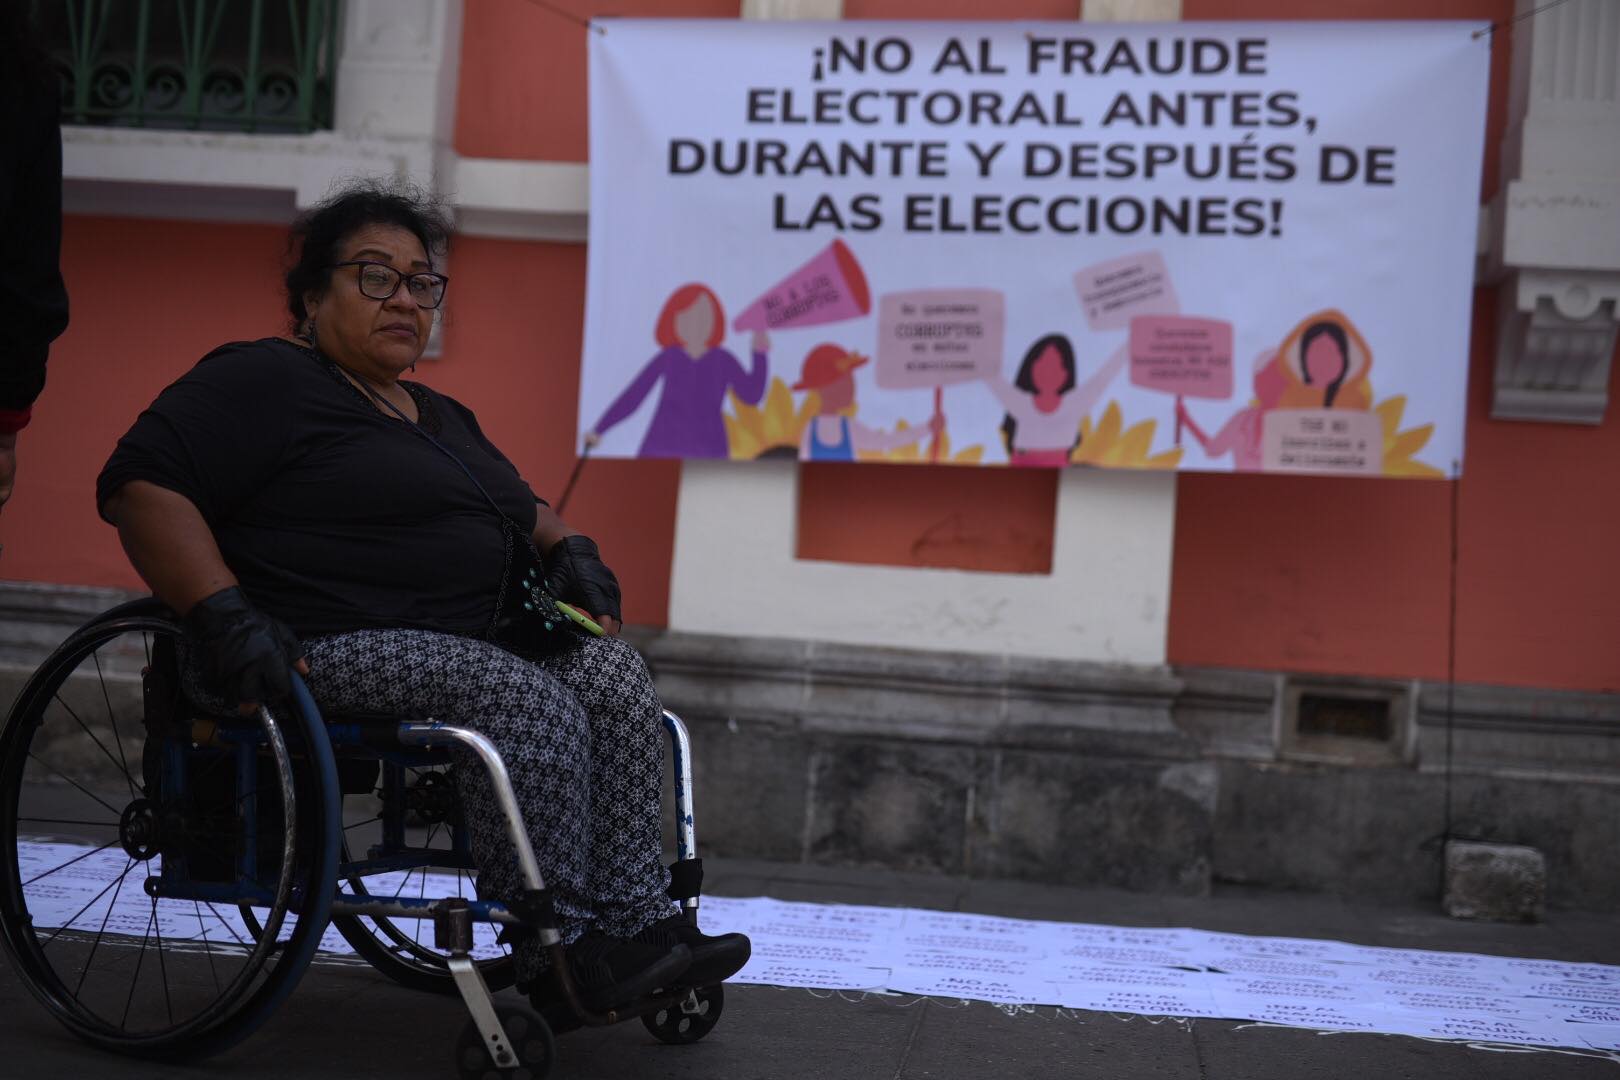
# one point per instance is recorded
(43, 979)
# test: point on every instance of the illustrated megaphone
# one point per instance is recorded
(829, 288)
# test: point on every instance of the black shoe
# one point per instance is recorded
(715, 958)
(613, 971)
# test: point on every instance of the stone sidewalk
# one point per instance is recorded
(345, 1021)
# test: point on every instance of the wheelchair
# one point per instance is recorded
(169, 872)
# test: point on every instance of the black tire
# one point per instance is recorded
(528, 1036)
(687, 1021)
(75, 754)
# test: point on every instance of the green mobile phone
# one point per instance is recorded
(580, 617)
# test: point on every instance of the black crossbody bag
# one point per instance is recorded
(527, 620)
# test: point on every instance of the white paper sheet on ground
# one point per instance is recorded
(946, 984)
(1581, 1012)
(767, 972)
(1572, 990)
(1279, 968)
(1193, 1000)
(78, 892)
(1475, 1027)
(1319, 984)
(1276, 948)
(1503, 1003)
(1523, 969)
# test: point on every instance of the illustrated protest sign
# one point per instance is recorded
(1219, 247)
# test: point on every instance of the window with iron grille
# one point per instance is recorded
(207, 65)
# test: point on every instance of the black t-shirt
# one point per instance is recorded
(333, 515)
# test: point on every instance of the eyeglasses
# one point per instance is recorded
(379, 281)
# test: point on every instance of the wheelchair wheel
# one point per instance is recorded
(530, 1039)
(687, 1021)
(131, 827)
(403, 948)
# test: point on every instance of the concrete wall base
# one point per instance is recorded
(1140, 777)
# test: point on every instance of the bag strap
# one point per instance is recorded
(366, 389)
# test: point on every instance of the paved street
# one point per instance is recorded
(345, 1021)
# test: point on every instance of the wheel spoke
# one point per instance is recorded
(207, 947)
(67, 821)
(240, 940)
(81, 911)
(94, 945)
(55, 771)
(122, 767)
(136, 978)
(70, 862)
(112, 718)
(163, 968)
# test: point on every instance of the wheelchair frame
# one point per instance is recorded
(303, 750)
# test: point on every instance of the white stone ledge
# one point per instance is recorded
(522, 200)
(230, 176)
(240, 177)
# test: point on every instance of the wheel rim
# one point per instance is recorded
(690, 1019)
(92, 822)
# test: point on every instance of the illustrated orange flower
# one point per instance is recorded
(753, 431)
(1113, 445)
(1399, 446)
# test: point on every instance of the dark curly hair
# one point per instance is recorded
(313, 245)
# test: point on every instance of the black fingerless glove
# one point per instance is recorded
(576, 575)
(245, 653)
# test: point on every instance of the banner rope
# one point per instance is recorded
(1505, 24)
(570, 16)
(1451, 670)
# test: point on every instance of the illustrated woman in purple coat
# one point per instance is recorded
(696, 373)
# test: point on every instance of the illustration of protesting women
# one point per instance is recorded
(834, 434)
(1323, 363)
(1045, 402)
(695, 373)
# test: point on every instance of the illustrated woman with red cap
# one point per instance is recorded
(833, 436)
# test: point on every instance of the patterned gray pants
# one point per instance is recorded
(581, 737)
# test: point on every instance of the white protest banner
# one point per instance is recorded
(1212, 246)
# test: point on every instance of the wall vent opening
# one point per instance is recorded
(1345, 717)
(1347, 721)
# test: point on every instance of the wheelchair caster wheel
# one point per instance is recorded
(687, 1021)
(527, 1035)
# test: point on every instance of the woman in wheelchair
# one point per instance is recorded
(302, 505)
